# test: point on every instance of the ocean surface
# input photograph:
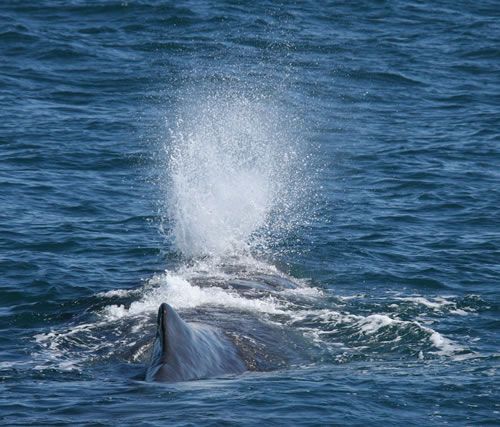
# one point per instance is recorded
(317, 181)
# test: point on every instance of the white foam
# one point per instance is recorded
(324, 317)
(304, 292)
(115, 293)
(374, 322)
(350, 297)
(459, 312)
(445, 346)
(437, 304)
(181, 294)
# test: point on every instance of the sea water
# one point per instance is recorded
(317, 181)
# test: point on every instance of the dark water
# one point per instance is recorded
(383, 306)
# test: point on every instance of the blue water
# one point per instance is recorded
(320, 181)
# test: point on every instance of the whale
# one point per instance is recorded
(188, 351)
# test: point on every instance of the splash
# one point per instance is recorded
(234, 168)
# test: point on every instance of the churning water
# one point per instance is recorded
(316, 183)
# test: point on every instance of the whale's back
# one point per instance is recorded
(185, 351)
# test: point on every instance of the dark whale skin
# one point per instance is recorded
(183, 351)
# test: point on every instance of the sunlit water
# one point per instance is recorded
(316, 183)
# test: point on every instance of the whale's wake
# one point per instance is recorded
(274, 320)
